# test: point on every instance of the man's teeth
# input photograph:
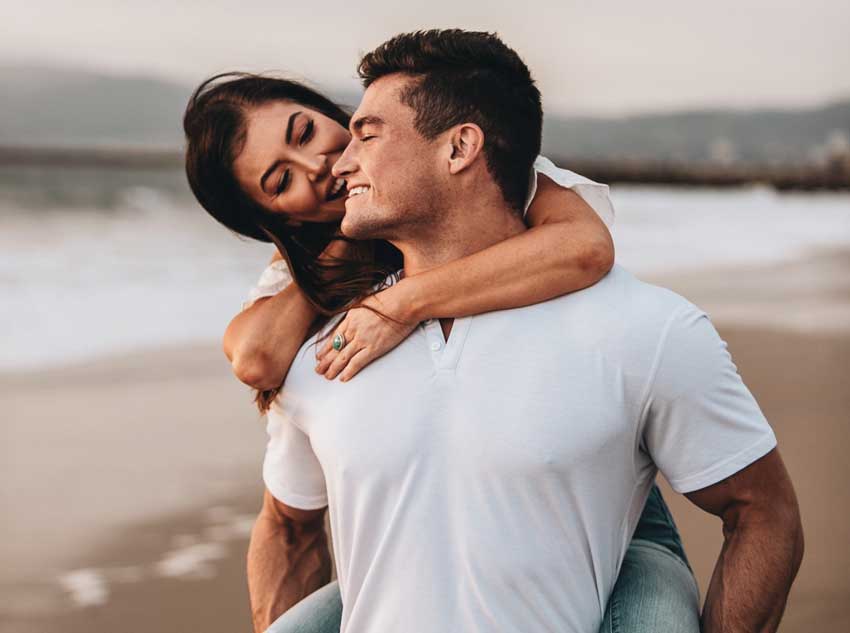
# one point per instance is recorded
(357, 191)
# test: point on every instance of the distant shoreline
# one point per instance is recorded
(834, 176)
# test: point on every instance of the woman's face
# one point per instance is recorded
(285, 163)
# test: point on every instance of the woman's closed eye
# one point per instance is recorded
(283, 183)
(307, 134)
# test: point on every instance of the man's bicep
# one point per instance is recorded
(282, 511)
(764, 484)
(702, 424)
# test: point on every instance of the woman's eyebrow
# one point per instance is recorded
(289, 126)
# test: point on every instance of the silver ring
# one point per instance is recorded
(339, 341)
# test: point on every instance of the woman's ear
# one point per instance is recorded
(467, 141)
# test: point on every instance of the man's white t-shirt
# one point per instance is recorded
(276, 276)
(493, 482)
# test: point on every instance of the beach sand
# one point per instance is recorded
(129, 484)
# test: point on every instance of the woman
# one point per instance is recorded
(259, 154)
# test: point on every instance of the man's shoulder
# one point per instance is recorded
(622, 295)
(620, 313)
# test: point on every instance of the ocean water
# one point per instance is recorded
(96, 262)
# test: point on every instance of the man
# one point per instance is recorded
(488, 474)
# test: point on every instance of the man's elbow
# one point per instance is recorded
(787, 514)
(256, 369)
(796, 537)
(799, 549)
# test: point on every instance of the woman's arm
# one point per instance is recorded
(261, 342)
(567, 248)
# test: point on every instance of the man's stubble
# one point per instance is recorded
(409, 217)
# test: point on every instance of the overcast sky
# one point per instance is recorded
(588, 58)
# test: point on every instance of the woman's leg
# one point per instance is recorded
(656, 591)
(320, 612)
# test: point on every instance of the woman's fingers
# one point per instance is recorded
(357, 362)
(371, 332)
(328, 347)
(325, 362)
(341, 361)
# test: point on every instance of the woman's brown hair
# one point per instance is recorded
(215, 126)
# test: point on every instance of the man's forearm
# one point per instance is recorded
(287, 561)
(752, 578)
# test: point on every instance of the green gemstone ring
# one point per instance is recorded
(339, 342)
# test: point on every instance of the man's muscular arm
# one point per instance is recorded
(762, 549)
(288, 559)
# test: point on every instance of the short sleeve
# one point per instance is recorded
(275, 278)
(595, 194)
(291, 471)
(701, 424)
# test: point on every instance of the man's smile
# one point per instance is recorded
(356, 191)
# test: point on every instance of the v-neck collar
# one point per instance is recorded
(446, 354)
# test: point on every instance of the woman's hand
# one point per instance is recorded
(367, 334)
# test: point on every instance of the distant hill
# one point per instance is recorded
(67, 108)
(720, 136)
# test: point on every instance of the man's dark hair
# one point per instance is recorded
(468, 77)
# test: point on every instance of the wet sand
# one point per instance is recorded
(129, 484)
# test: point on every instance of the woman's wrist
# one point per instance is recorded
(403, 301)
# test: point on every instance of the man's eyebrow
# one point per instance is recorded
(368, 119)
(275, 164)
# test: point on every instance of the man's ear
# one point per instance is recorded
(467, 142)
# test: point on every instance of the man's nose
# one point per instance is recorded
(346, 164)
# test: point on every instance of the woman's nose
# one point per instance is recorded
(318, 168)
(315, 166)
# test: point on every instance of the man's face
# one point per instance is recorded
(393, 174)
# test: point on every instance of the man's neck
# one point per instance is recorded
(460, 231)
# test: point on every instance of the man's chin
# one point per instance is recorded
(358, 228)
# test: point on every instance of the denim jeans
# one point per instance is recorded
(655, 592)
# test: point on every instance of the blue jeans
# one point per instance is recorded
(655, 592)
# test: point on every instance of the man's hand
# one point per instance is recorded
(762, 549)
(288, 559)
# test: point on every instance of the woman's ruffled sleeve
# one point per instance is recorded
(593, 193)
(275, 278)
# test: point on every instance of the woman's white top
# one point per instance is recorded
(276, 276)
